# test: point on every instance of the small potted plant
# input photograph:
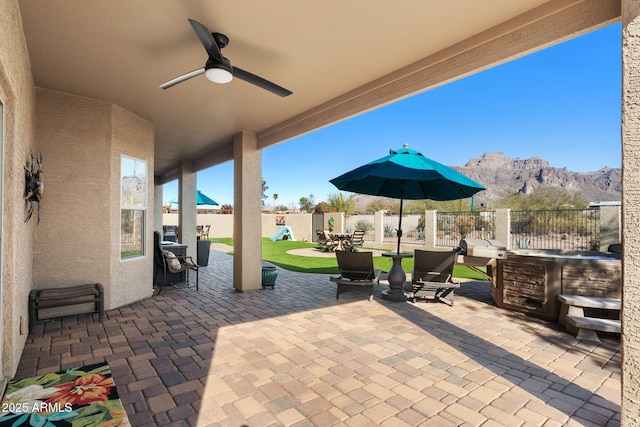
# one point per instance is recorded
(269, 275)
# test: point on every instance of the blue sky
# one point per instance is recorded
(561, 104)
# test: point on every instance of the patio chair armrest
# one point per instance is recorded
(188, 259)
(374, 279)
(428, 273)
(344, 281)
(437, 285)
(431, 274)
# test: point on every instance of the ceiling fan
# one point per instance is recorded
(218, 68)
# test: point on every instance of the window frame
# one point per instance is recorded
(138, 204)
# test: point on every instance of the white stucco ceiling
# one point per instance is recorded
(121, 50)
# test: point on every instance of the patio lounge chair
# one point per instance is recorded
(357, 239)
(357, 273)
(168, 262)
(325, 240)
(432, 273)
(320, 238)
(202, 232)
(205, 232)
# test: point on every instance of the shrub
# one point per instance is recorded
(364, 225)
(389, 231)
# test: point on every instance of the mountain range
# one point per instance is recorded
(504, 176)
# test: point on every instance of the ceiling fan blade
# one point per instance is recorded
(260, 82)
(207, 40)
(182, 78)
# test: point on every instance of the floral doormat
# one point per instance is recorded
(85, 396)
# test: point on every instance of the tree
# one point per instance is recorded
(579, 201)
(306, 204)
(543, 198)
(275, 199)
(338, 203)
(461, 205)
(321, 208)
(264, 191)
(391, 206)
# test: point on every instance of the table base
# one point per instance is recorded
(396, 278)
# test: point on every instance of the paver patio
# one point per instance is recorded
(296, 356)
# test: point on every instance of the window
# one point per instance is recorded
(133, 206)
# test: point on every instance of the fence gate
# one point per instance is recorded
(317, 223)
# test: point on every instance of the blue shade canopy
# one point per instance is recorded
(407, 174)
(201, 199)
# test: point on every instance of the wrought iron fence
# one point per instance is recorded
(454, 226)
(412, 228)
(575, 229)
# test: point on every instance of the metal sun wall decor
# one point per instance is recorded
(34, 185)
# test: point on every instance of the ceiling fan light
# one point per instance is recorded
(218, 75)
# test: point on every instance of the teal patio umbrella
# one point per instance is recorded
(407, 174)
(201, 199)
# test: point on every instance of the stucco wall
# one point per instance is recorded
(78, 239)
(630, 338)
(131, 279)
(300, 225)
(74, 233)
(17, 94)
(222, 225)
(74, 240)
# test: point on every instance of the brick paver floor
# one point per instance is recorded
(296, 356)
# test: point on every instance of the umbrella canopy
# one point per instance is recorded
(407, 174)
(201, 199)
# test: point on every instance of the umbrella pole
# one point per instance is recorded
(396, 275)
(399, 232)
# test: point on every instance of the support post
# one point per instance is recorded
(187, 216)
(247, 213)
(157, 208)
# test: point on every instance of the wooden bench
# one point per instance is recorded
(572, 315)
(59, 297)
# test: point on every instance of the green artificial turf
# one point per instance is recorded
(276, 253)
(225, 240)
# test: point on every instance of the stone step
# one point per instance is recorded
(591, 302)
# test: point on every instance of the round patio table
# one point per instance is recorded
(344, 241)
